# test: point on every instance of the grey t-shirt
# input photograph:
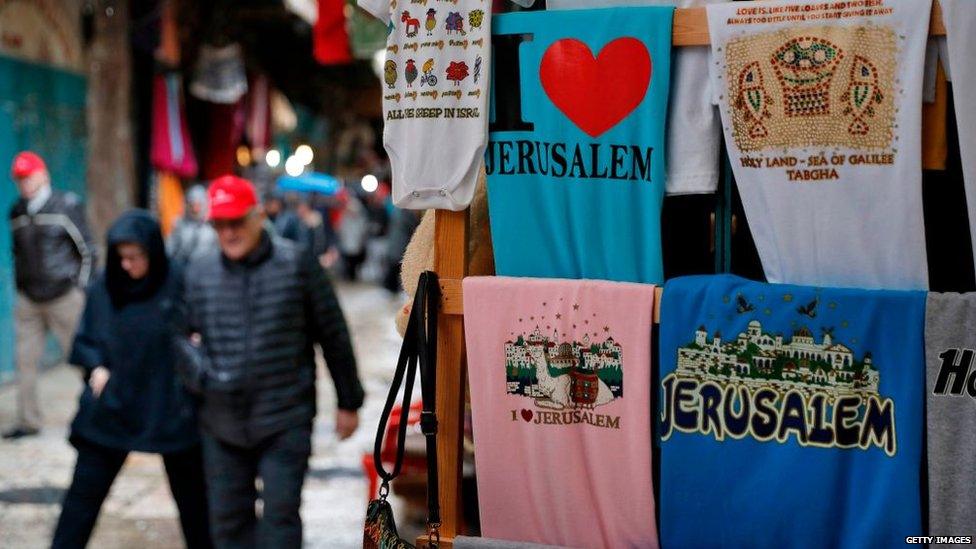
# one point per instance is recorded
(950, 348)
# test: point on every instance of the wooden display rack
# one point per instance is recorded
(689, 28)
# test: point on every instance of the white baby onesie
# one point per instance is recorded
(821, 106)
(694, 131)
(435, 98)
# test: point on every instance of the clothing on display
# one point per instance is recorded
(575, 161)
(959, 17)
(789, 415)
(821, 109)
(435, 99)
(560, 373)
(171, 149)
(950, 340)
(694, 131)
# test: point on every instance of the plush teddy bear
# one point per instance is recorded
(419, 255)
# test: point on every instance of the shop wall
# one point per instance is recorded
(41, 108)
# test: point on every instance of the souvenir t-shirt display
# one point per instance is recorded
(576, 154)
(959, 17)
(790, 416)
(560, 375)
(950, 344)
(693, 130)
(435, 98)
(821, 107)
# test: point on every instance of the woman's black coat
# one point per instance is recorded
(127, 328)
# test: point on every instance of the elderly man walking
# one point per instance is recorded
(53, 259)
(253, 310)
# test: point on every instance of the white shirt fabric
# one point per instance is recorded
(822, 120)
(435, 98)
(38, 201)
(959, 17)
(694, 130)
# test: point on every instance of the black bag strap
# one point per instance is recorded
(419, 350)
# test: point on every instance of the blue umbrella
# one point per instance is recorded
(309, 182)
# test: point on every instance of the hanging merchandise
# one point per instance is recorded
(959, 17)
(575, 161)
(225, 128)
(790, 416)
(171, 149)
(170, 201)
(950, 340)
(257, 126)
(821, 106)
(330, 39)
(435, 99)
(694, 132)
(219, 75)
(559, 373)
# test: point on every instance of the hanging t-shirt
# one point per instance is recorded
(694, 131)
(959, 17)
(821, 106)
(435, 98)
(559, 373)
(950, 344)
(575, 159)
(790, 416)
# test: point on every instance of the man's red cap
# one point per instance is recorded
(26, 163)
(231, 197)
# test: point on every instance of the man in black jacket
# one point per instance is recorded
(53, 259)
(252, 311)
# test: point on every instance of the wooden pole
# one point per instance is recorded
(111, 164)
(451, 264)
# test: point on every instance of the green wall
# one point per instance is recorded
(43, 109)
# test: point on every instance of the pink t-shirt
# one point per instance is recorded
(560, 400)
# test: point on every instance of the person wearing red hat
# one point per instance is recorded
(53, 259)
(252, 312)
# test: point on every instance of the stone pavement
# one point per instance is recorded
(140, 512)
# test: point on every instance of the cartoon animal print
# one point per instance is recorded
(475, 18)
(753, 99)
(742, 305)
(457, 71)
(428, 76)
(557, 390)
(810, 309)
(390, 73)
(410, 72)
(863, 92)
(454, 23)
(412, 25)
(431, 22)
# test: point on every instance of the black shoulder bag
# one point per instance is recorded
(419, 349)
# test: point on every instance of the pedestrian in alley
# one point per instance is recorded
(192, 236)
(253, 310)
(53, 260)
(133, 399)
(283, 218)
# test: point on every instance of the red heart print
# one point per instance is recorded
(526, 415)
(596, 93)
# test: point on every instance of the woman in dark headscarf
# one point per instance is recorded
(133, 399)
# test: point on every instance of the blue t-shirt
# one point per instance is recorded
(575, 157)
(789, 416)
